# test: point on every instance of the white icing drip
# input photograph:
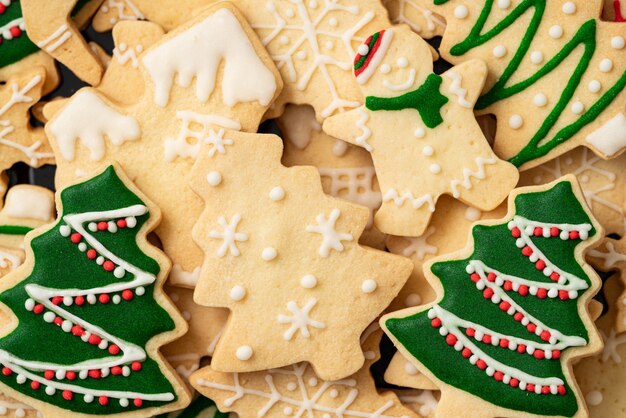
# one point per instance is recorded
(457, 89)
(181, 146)
(610, 138)
(56, 39)
(366, 132)
(479, 174)
(299, 320)
(416, 202)
(89, 120)
(354, 185)
(26, 202)
(228, 235)
(331, 239)
(198, 52)
(124, 54)
(401, 86)
(420, 246)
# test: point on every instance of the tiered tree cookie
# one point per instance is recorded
(91, 289)
(235, 83)
(347, 171)
(557, 73)
(501, 339)
(421, 132)
(296, 390)
(280, 252)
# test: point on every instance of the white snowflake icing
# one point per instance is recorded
(331, 239)
(228, 235)
(420, 246)
(309, 33)
(217, 140)
(611, 344)
(300, 320)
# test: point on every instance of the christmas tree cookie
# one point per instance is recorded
(282, 254)
(511, 312)
(557, 73)
(87, 311)
(184, 100)
(421, 132)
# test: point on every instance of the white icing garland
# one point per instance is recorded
(479, 174)
(56, 39)
(457, 89)
(416, 202)
(366, 132)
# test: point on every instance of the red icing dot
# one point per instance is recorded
(466, 353)
(436, 322)
(48, 374)
(76, 237)
(121, 223)
(2, 8)
(521, 348)
(530, 387)
(450, 339)
(104, 298)
(561, 390)
(518, 316)
(137, 402)
(542, 293)
(78, 331)
(58, 321)
(38, 308)
(127, 294)
(508, 285)
(475, 277)
(67, 395)
(540, 265)
(102, 226)
(116, 370)
(539, 354)
(15, 31)
(538, 231)
(470, 332)
(6, 371)
(504, 343)
(545, 335)
(79, 300)
(481, 364)
(556, 354)
(555, 276)
(554, 231)
(516, 232)
(94, 374)
(108, 265)
(488, 293)
(91, 254)
(35, 385)
(94, 339)
(498, 376)
(545, 390)
(135, 366)
(487, 339)
(563, 294)
(574, 235)
(504, 305)
(491, 277)
(103, 400)
(57, 300)
(523, 290)
(527, 251)
(531, 327)
(70, 375)
(114, 349)
(514, 382)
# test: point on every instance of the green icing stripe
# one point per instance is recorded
(363, 59)
(14, 229)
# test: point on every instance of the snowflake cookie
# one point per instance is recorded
(297, 391)
(83, 278)
(421, 132)
(285, 259)
(557, 73)
(511, 311)
(163, 130)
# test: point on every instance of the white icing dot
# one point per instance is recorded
(332, 22)
(124, 402)
(301, 55)
(410, 369)
(461, 12)
(29, 304)
(140, 291)
(214, 178)
(308, 281)
(578, 108)
(499, 51)
(277, 193)
(66, 325)
(92, 226)
(269, 254)
(119, 272)
(516, 121)
(402, 62)
(88, 398)
(284, 40)
(291, 386)
(420, 132)
(116, 299)
(49, 316)
(100, 260)
(288, 410)
(536, 57)
(504, 4)
(313, 381)
(289, 13)
(368, 286)
(237, 293)
(333, 393)
(21, 379)
(385, 68)
(594, 398)
(363, 49)
(555, 32)
(131, 222)
(244, 352)
(82, 247)
(50, 390)
(618, 42)
(427, 150)
(472, 214)
(595, 86)
(413, 300)
(64, 230)
(606, 65)
(540, 100)
(329, 45)
(435, 168)
(569, 8)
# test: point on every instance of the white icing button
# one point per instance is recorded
(569, 8)
(65, 230)
(427, 150)
(555, 32)
(308, 281)
(578, 108)
(237, 293)
(536, 57)
(363, 49)
(368, 286)
(618, 42)
(420, 132)
(214, 178)
(540, 100)
(499, 51)
(402, 62)
(269, 254)
(277, 193)
(461, 12)
(385, 68)
(435, 168)
(606, 65)
(516, 121)
(412, 300)
(595, 86)
(504, 4)
(594, 398)
(244, 352)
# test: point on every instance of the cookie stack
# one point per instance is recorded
(314, 208)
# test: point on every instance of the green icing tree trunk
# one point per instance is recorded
(489, 305)
(48, 348)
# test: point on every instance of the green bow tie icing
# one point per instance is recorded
(508, 311)
(584, 40)
(86, 308)
(426, 99)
